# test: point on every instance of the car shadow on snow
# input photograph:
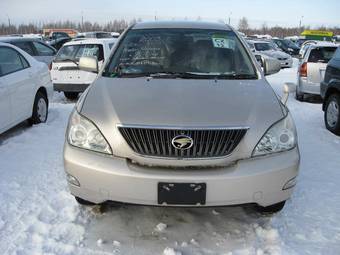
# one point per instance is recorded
(188, 230)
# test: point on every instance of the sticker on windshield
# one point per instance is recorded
(223, 42)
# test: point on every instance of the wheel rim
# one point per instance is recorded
(42, 110)
(332, 113)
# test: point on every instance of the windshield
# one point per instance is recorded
(289, 44)
(321, 54)
(263, 46)
(166, 52)
(75, 52)
(103, 35)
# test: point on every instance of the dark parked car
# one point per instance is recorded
(287, 46)
(59, 42)
(35, 47)
(330, 92)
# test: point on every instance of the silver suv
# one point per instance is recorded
(181, 115)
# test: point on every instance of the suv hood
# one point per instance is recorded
(181, 103)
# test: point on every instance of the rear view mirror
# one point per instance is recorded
(288, 88)
(88, 64)
(270, 65)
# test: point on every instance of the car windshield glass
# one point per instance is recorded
(289, 44)
(183, 53)
(103, 35)
(75, 52)
(321, 54)
(263, 46)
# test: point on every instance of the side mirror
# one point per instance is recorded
(288, 88)
(259, 60)
(88, 64)
(271, 65)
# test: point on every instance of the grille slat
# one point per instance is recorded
(157, 142)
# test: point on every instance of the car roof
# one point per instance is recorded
(323, 44)
(5, 44)
(181, 24)
(17, 39)
(92, 41)
(94, 32)
(258, 41)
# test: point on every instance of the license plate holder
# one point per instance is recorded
(182, 193)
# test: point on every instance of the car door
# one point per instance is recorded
(44, 53)
(17, 74)
(5, 110)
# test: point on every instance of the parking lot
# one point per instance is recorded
(39, 216)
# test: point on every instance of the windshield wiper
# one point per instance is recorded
(237, 76)
(156, 75)
(188, 75)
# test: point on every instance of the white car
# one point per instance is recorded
(66, 76)
(270, 49)
(33, 46)
(312, 68)
(25, 88)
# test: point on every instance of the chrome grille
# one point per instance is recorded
(207, 143)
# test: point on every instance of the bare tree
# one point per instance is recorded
(121, 24)
(243, 25)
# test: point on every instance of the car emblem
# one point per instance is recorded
(182, 142)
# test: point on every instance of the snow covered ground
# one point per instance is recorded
(39, 216)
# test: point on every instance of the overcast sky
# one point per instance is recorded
(273, 12)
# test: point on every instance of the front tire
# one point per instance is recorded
(71, 95)
(271, 209)
(332, 114)
(40, 109)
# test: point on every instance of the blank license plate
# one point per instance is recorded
(182, 193)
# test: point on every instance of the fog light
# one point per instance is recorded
(290, 184)
(72, 180)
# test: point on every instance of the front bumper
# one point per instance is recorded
(69, 87)
(106, 178)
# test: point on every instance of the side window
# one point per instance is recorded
(11, 61)
(24, 61)
(42, 49)
(25, 46)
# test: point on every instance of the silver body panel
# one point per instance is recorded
(182, 103)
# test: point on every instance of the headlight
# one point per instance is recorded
(290, 49)
(280, 137)
(84, 134)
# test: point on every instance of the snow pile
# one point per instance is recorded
(171, 251)
(160, 227)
